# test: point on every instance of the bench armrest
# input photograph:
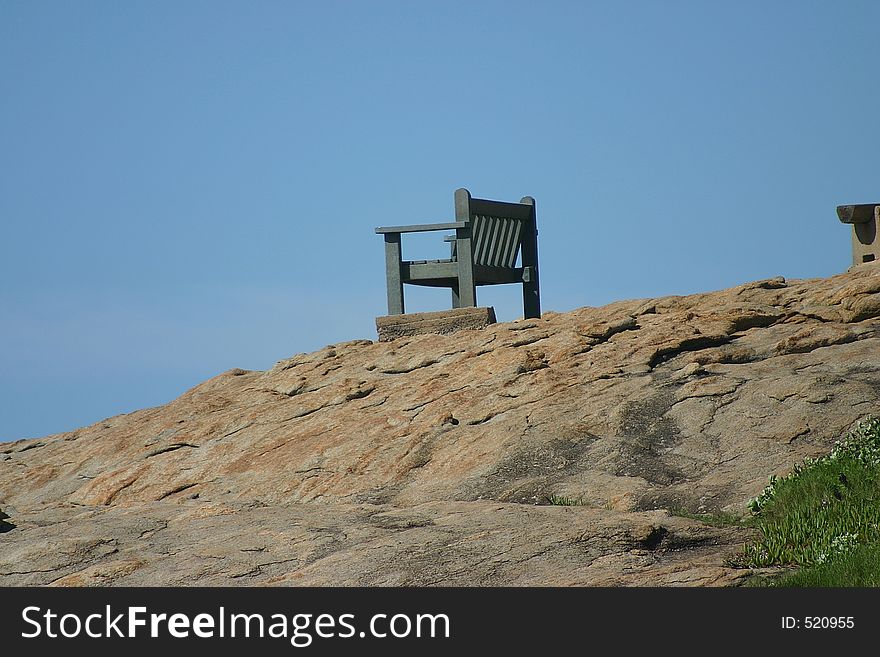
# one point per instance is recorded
(421, 227)
(857, 214)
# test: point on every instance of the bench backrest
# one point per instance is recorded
(497, 228)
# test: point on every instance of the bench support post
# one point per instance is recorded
(456, 301)
(529, 253)
(392, 273)
(467, 289)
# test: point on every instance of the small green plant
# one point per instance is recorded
(840, 545)
(562, 500)
(825, 510)
(862, 444)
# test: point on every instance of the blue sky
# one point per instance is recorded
(187, 187)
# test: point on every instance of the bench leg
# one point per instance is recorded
(531, 301)
(456, 300)
(467, 289)
(529, 254)
(467, 296)
(392, 273)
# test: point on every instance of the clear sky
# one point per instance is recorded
(187, 186)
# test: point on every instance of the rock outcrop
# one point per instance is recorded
(561, 451)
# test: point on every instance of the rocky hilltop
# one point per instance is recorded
(563, 451)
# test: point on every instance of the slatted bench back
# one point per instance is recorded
(496, 240)
(497, 228)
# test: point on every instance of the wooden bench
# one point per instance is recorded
(490, 236)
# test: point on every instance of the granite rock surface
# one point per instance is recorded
(568, 450)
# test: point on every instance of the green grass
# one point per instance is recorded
(860, 567)
(824, 517)
(562, 500)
